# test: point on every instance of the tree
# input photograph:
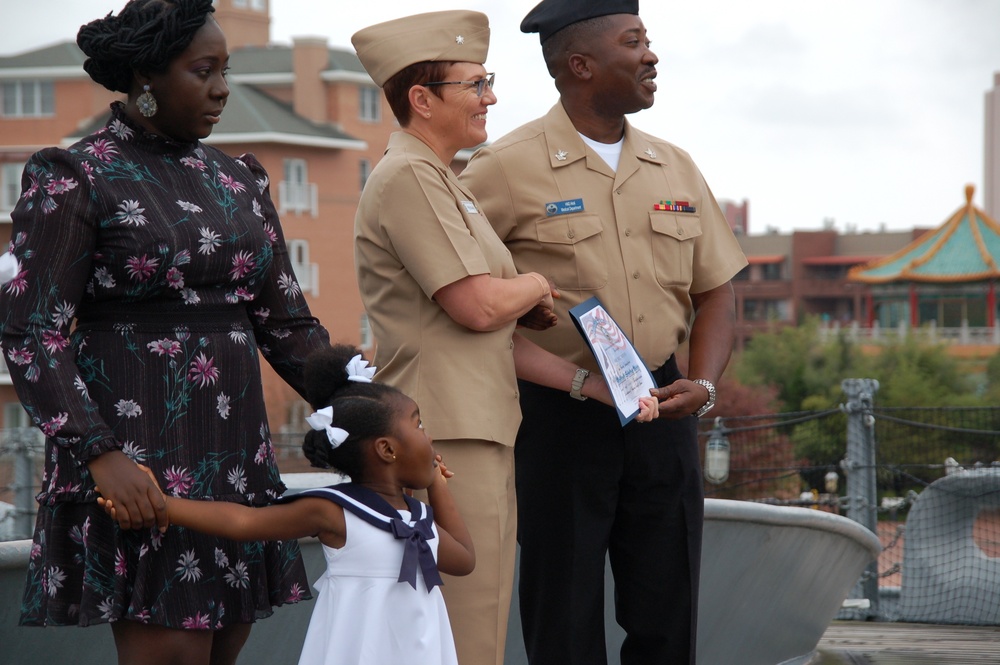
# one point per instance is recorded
(796, 363)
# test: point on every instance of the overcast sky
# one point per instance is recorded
(869, 112)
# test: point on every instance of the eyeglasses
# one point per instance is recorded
(481, 84)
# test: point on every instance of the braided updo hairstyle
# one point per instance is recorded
(365, 411)
(145, 36)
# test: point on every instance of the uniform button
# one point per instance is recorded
(642, 317)
(512, 344)
(516, 395)
(571, 234)
(680, 232)
(618, 192)
(628, 232)
(635, 275)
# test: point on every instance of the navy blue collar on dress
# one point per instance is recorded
(375, 510)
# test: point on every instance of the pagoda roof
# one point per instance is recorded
(966, 248)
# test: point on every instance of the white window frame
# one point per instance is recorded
(295, 192)
(10, 187)
(365, 168)
(370, 104)
(5, 373)
(365, 329)
(306, 273)
(27, 98)
(296, 424)
(15, 416)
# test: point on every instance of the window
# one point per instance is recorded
(367, 340)
(239, 3)
(14, 415)
(830, 273)
(371, 104)
(765, 310)
(10, 186)
(306, 273)
(259, 5)
(27, 99)
(288, 442)
(770, 272)
(366, 170)
(891, 313)
(297, 194)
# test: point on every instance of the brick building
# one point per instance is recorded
(318, 124)
(309, 112)
(804, 273)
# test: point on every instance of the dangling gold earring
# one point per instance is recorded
(146, 103)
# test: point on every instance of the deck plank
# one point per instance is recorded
(898, 643)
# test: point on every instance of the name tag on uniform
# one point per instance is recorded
(470, 207)
(563, 207)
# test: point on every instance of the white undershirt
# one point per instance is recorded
(609, 152)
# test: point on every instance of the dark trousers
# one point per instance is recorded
(587, 488)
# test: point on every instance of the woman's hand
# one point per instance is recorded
(109, 505)
(135, 498)
(649, 409)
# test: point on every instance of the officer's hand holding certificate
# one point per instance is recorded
(624, 371)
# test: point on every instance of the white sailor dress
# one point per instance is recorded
(374, 606)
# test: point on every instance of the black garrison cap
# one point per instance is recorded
(550, 16)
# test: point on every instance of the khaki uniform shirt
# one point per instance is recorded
(418, 229)
(564, 213)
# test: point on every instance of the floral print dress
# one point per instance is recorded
(151, 275)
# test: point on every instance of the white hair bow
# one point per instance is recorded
(9, 267)
(358, 370)
(323, 420)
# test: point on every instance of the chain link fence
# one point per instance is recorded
(793, 459)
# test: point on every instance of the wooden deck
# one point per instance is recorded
(878, 643)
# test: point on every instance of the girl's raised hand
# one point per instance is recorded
(445, 472)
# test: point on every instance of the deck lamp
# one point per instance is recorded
(831, 479)
(717, 455)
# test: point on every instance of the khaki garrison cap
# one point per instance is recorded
(387, 48)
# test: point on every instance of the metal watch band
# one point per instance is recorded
(710, 387)
(578, 379)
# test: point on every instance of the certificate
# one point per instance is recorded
(623, 369)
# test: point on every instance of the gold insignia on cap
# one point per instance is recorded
(561, 155)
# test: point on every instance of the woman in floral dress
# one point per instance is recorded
(152, 272)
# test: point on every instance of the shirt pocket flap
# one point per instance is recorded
(679, 227)
(568, 229)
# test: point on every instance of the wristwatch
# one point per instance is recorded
(578, 379)
(710, 387)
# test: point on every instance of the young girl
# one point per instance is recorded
(379, 600)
